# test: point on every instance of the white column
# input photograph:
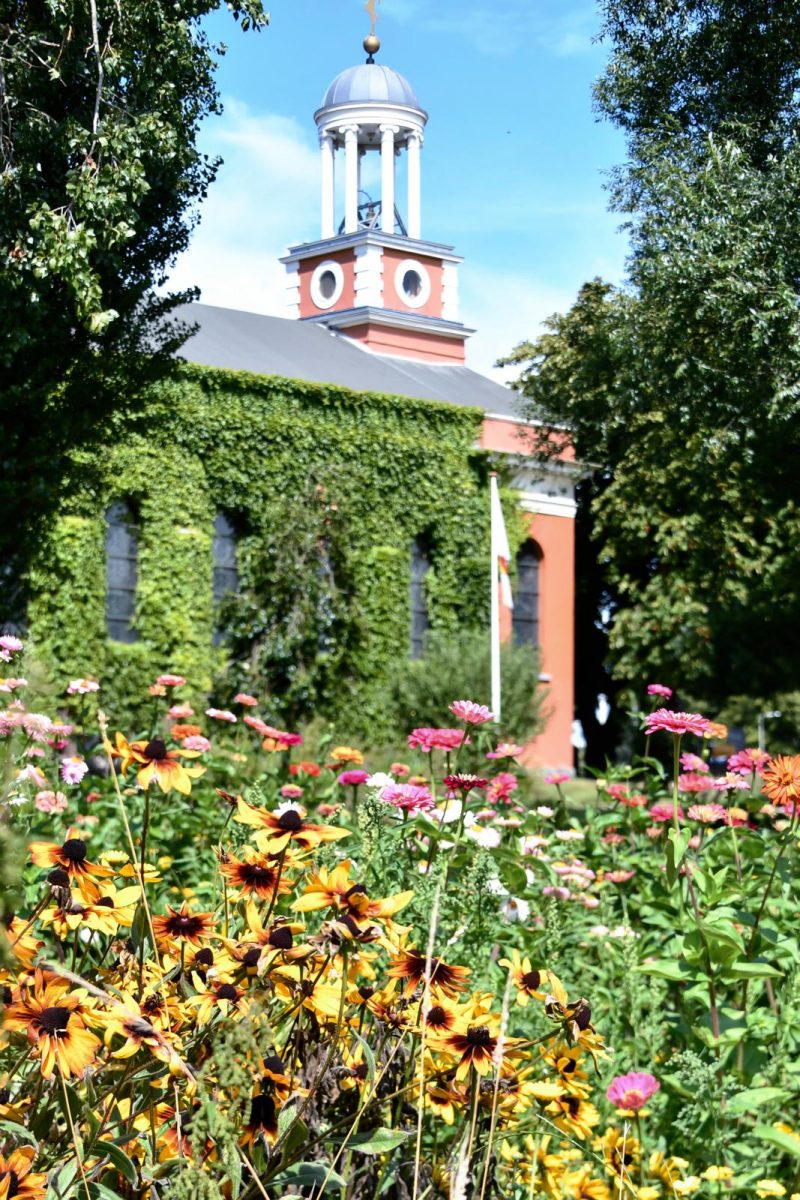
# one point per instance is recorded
(351, 173)
(328, 201)
(387, 177)
(414, 186)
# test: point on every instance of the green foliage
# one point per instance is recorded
(209, 441)
(458, 665)
(100, 108)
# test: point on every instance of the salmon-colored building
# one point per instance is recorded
(375, 283)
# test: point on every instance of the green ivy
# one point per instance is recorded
(209, 440)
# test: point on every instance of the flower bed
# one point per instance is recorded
(238, 969)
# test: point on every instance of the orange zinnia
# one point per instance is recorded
(781, 779)
(157, 763)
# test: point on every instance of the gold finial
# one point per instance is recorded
(372, 43)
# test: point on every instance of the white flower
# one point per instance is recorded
(544, 810)
(496, 888)
(289, 806)
(514, 909)
(570, 835)
(379, 781)
(447, 812)
(489, 839)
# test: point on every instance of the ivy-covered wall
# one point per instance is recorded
(212, 440)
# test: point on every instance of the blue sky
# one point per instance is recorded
(513, 163)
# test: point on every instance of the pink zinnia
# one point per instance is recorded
(464, 783)
(427, 739)
(693, 781)
(557, 777)
(178, 711)
(659, 689)
(505, 750)
(50, 802)
(707, 813)
(664, 812)
(11, 685)
(617, 791)
(284, 739)
(221, 714)
(676, 722)
(400, 769)
(693, 762)
(353, 778)
(196, 741)
(291, 791)
(747, 760)
(631, 1092)
(170, 681)
(732, 781)
(408, 797)
(619, 876)
(471, 713)
(247, 700)
(560, 893)
(613, 839)
(637, 800)
(256, 723)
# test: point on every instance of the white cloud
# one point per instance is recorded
(498, 29)
(264, 198)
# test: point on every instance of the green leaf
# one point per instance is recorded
(677, 845)
(668, 968)
(119, 1159)
(19, 1131)
(308, 1174)
(746, 1101)
(378, 1141)
(753, 970)
(776, 1137)
(369, 1059)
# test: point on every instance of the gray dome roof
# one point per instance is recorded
(370, 83)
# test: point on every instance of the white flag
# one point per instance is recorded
(500, 548)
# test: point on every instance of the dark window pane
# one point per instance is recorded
(122, 536)
(420, 620)
(525, 618)
(223, 556)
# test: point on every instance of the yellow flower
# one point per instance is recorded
(685, 1187)
(770, 1187)
(346, 754)
(712, 1174)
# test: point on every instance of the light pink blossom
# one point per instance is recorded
(659, 689)
(707, 814)
(196, 741)
(621, 875)
(631, 1092)
(471, 713)
(9, 645)
(664, 812)
(73, 769)
(221, 714)
(505, 750)
(178, 711)
(291, 791)
(427, 739)
(408, 796)
(677, 723)
(694, 763)
(731, 781)
(11, 685)
(50, 802)
(82, 687)
(170, 681)
(246, 699)
(560, 893)
(557, 777)
(693, 781)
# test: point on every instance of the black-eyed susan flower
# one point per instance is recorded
(256, 874)
(72, 856)
(21, 941)
(526, 981)
(217, 997)
(183, 926)
(574, 1115)
(51, 1017)
(412, 967)
(112, 908)
(157, 764)
(336, 889)
(17, 1180)
(476, 1046)
(278, 829)
(129, 1021)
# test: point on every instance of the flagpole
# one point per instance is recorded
(494, 499)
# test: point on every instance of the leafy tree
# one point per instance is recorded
(100, 178)
(681, 69)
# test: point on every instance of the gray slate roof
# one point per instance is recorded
(244, 341)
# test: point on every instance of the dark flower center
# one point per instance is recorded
(227, 992)
(5, 1095)
(152, 1004)
(155, 750)
(359, 1071)
(582, 1015)
(74, 849)
(252, 873)
(262, 1112)
(58, 877)
(531, 979)
(250, 959)
(358, 889)
(275, 1065)
(185, 923)
(204, 957)
(479, 1035)
(105, 902)
(437, 1015)
(290, 821)
(365, 992)
(281, 938)
(54, 1021)
(6, 995)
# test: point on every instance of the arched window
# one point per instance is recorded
(223, 556)
(525, 617)
(420, 620)
(122, 551)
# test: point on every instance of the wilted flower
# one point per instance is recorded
(464, 783)
(632, 1091)
(677, 723)
(471, 713)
